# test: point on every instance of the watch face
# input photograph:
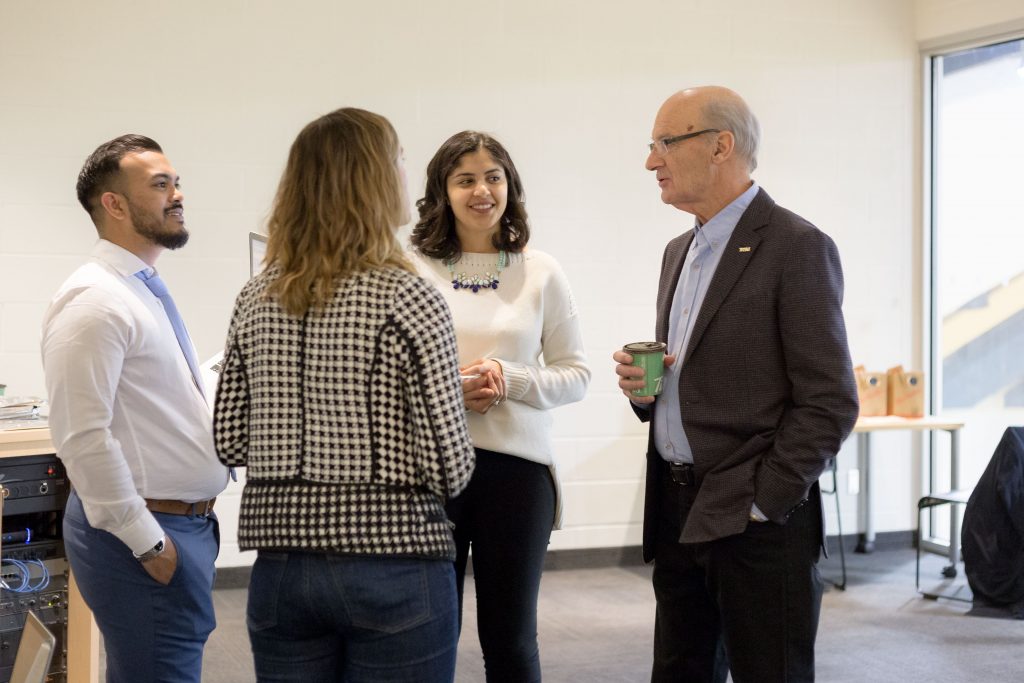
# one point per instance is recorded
(152, 552)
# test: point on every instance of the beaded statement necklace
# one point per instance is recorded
(474, 282)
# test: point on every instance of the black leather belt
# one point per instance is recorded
(681, 473)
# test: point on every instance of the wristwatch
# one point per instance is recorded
(155, 551)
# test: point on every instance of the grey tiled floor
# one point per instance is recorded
(595, 626)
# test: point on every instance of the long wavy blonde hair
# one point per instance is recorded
(337, 207)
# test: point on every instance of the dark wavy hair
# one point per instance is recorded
(434, 234)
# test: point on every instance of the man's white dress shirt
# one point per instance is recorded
(126, 416)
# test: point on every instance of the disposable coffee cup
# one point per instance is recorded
(651, 357)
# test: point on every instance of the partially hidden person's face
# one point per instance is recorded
(684, 168)
(478, 195)
(152, 189)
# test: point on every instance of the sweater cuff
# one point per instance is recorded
(517, 378)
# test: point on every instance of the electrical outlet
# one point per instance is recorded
(853, 482)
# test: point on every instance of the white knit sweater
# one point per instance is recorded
(530, 325)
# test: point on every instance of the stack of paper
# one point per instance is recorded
(21, 412)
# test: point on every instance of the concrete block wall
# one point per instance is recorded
(571, 87)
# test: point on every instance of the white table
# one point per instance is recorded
(864, 428)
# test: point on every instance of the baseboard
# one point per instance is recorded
(582, 558)
(632, 556)
(884, 540)
(594, 558)
(232, 577)
(599, 558)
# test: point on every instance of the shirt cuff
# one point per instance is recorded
(756, 515)
(142, 534)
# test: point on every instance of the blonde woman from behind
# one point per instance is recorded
(340, 394)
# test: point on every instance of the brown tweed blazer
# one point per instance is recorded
(766, 388)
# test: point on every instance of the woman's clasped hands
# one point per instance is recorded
(483, 385)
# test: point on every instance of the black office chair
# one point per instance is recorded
(992, 534)
(955, 497)
(841, 585)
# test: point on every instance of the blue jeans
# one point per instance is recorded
(316, 617)
(152, 633)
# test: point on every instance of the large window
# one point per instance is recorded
(977, 199)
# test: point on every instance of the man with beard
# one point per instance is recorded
(131, 423)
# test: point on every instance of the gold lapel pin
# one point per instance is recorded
(743, 249)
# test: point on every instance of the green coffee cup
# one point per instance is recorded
(651, 357)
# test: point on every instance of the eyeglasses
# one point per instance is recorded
(662, 144)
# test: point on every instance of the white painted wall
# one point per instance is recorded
(570, 86)
(945, 20)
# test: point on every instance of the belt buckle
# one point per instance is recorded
(681, 473)
(207, 509)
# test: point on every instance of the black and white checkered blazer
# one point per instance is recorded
(349, 420)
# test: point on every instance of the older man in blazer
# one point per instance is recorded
(758, 395)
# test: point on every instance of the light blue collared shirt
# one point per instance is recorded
(699, 267)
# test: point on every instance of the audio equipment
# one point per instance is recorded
(33, 566)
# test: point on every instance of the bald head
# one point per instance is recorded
(704, 146)
(712, 106)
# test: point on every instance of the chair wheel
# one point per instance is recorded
(949, 572)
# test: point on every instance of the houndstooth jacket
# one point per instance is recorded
(349, 420)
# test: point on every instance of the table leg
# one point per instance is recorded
(865, 526)
(954, 512)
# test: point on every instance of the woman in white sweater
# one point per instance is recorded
(521, 354)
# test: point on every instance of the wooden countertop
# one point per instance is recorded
(891, 422)
(25, 442)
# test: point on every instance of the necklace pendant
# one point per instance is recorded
(475, 283)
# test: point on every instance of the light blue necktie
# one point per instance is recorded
(159, 289)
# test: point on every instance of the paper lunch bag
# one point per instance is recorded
(906, 392)
(871, 392)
